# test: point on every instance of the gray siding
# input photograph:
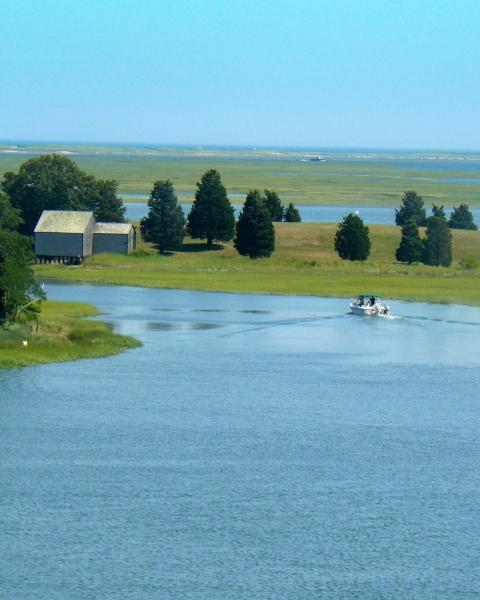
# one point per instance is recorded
(59, 244)
(132, 240)
(111, 242)
(88, 238)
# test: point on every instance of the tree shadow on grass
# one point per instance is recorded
(165, 253)
(199, 247)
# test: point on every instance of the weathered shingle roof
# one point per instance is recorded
(63, 221)
(120, 228)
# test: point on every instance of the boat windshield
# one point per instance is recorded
(367, 300)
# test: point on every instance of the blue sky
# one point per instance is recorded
(337, 73)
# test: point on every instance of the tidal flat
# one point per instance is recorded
(347, 177)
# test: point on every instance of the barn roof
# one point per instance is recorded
(63, 221)
(115, 228)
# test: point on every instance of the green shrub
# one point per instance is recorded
(83, 335)
(469, 263)
(140, 253)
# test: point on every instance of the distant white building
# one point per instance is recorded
(74, 234)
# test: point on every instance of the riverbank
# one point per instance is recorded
(63, 334)
(304, 263)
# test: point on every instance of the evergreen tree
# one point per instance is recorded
(352, 240)
(438, 211)
(437, 245)
(164, 225)
(412, 208)
(212, 215)
(461, 218)
(255, 235)
(411, 247)
(272, 202)
(17, 284)
(291, 214)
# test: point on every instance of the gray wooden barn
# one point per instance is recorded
(71, 235)
(113, 237)
(64, 234)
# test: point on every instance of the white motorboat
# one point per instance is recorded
(369, 304)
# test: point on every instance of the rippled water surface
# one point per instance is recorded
(254, 447)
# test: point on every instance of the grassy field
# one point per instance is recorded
(304, 263)
(345, 178)
(63, 334)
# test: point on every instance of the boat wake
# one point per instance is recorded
(440, 320)
(285, 322)
(390, 317)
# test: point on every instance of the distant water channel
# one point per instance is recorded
(254, 447)
(372, 215)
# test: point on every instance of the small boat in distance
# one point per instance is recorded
(369, 304)
(317, 158)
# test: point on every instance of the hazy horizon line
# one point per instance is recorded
(200, 145)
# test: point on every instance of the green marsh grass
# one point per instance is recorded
(340, 180)
(63, 334)
(303, 263)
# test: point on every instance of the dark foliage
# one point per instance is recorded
(10, 219)
(437, 245)
(101, 197)
(255, 235)
(212, 216)
(17, 285)
(412, 208)
(52, 182)
(352, 239)
(48, 182)
(462, 218)
(438, 211)
(291, 214)
(273, 204)
(164, 225)
(411, 247)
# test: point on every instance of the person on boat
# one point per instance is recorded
(372, 301)
(360, 300)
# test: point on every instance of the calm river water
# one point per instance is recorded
(256, 447)
(372, 215)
